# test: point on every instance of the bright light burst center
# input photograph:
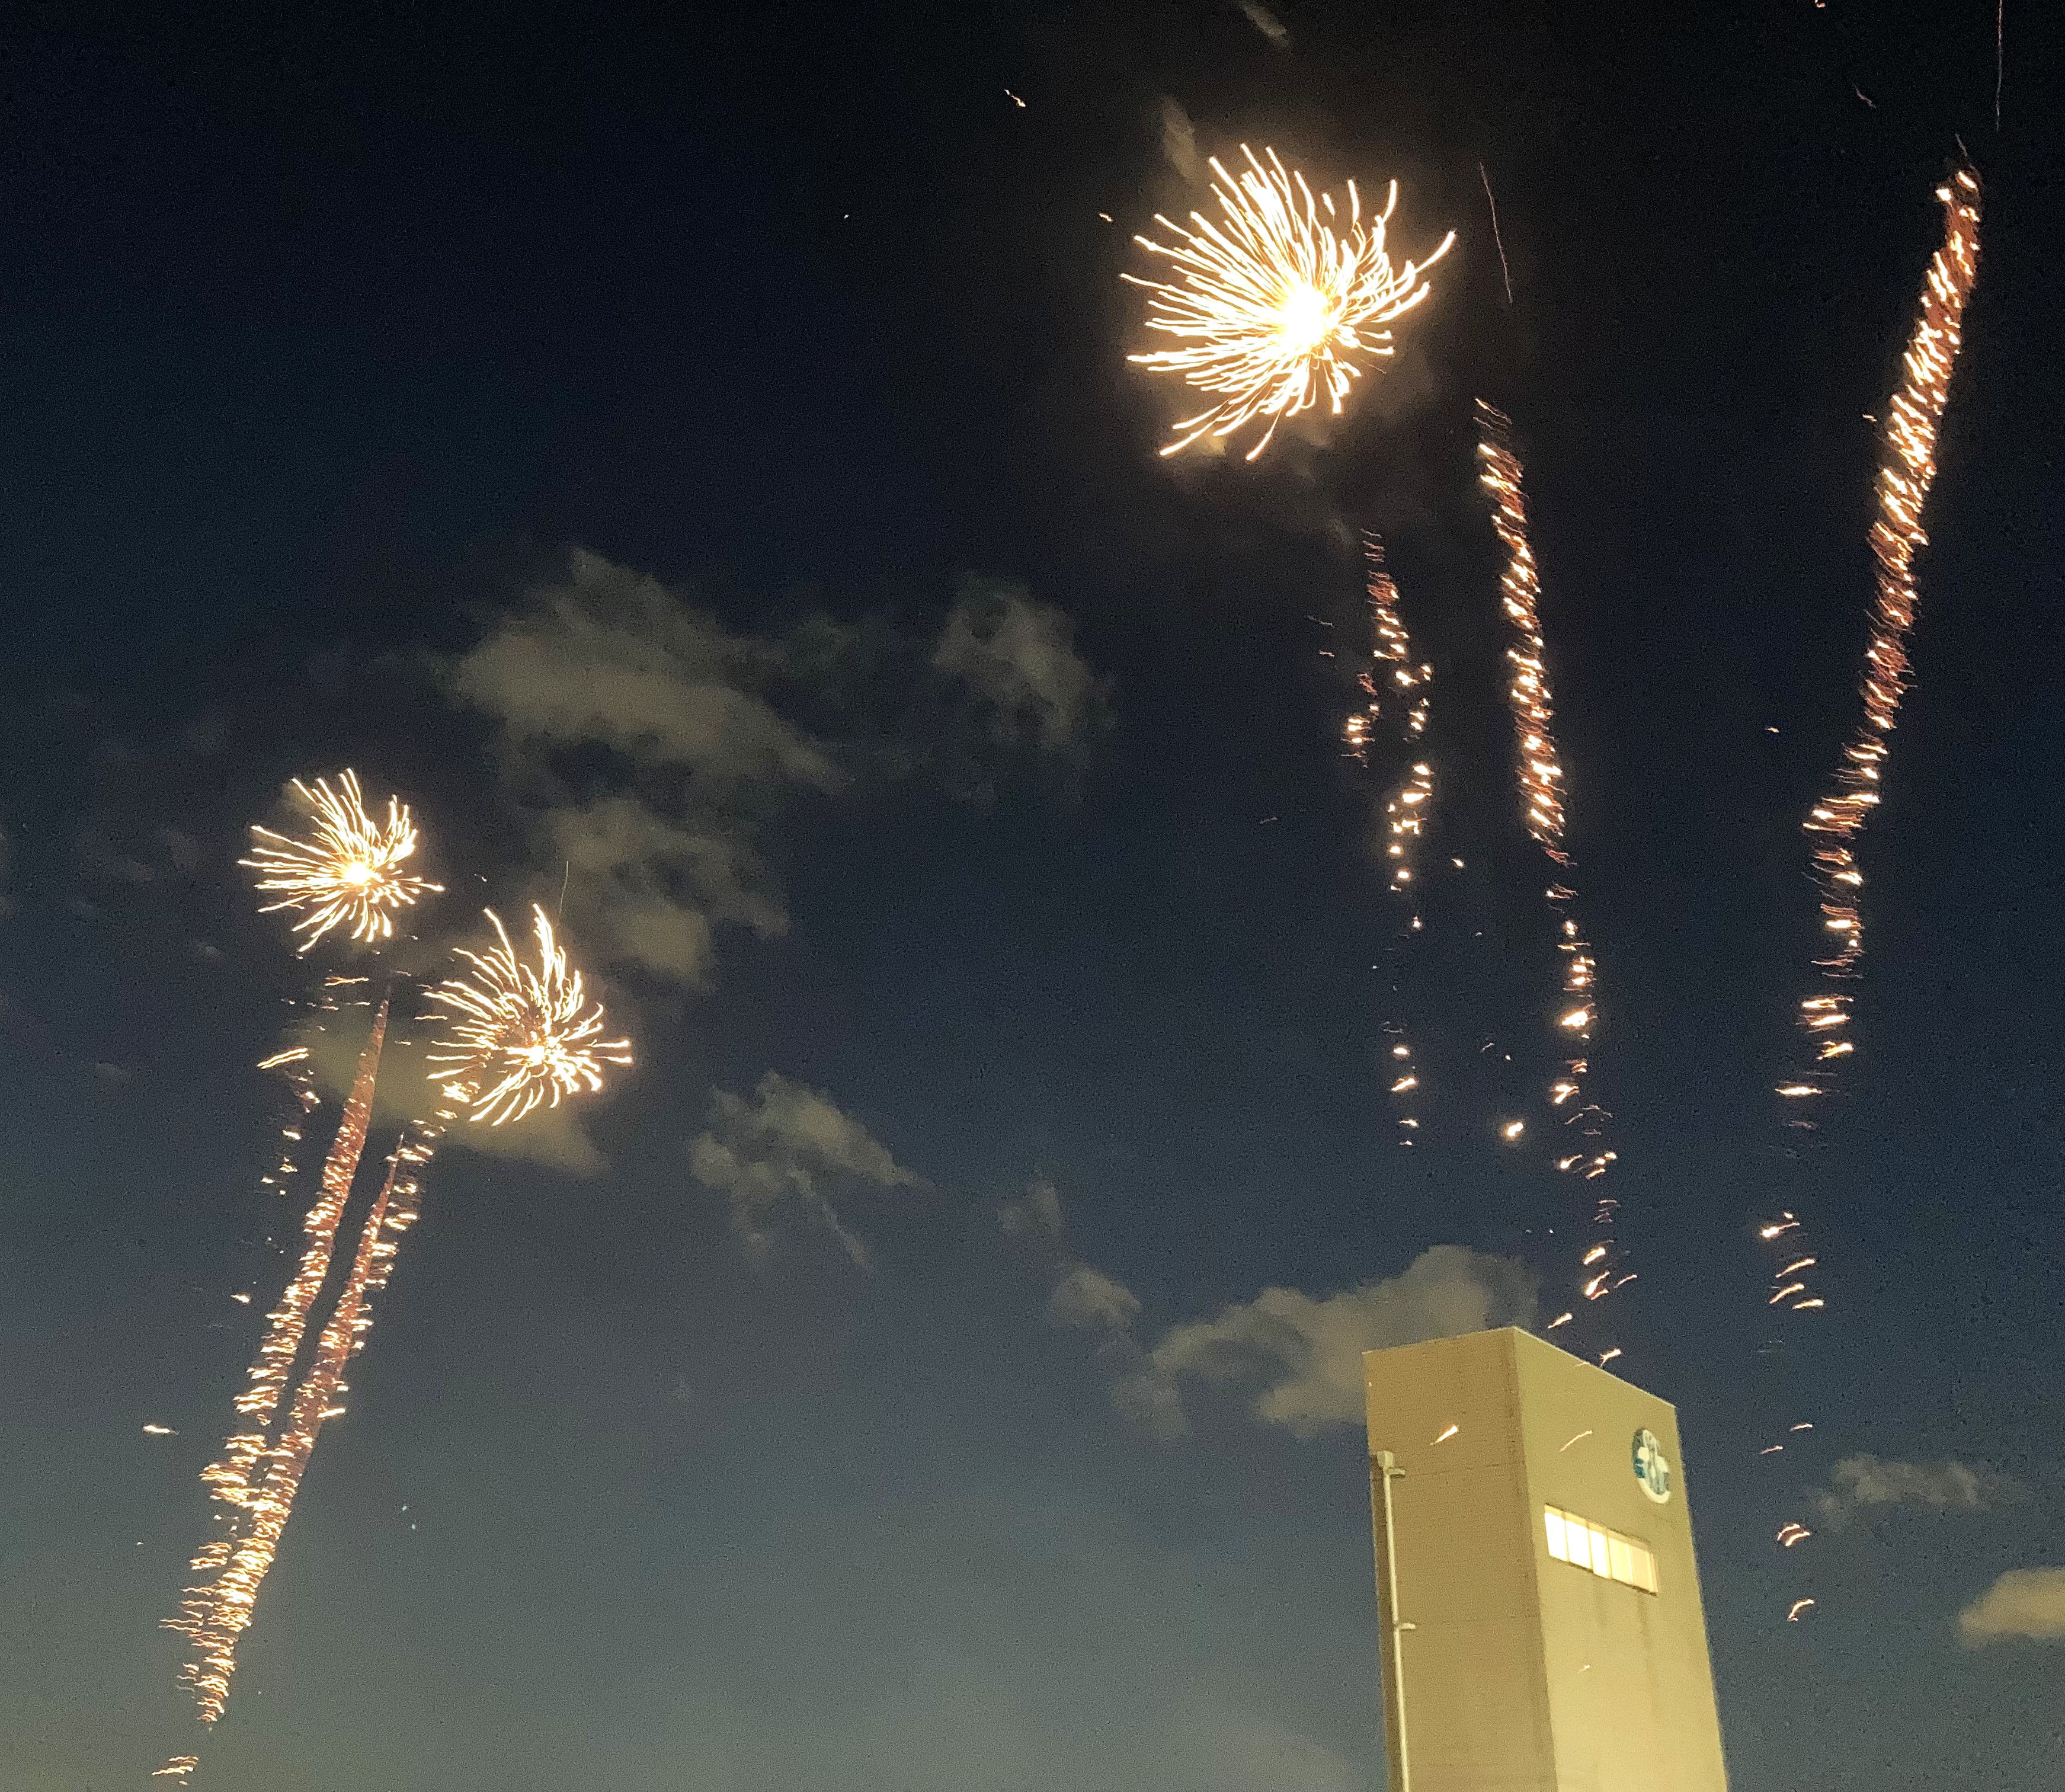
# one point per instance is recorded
(1274, 309)
(517, 1036)
(348, 872)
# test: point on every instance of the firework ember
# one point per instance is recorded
(1274, 309)
(348, 872)
(1602, 1266)
(1394, 686)
(1907, 469)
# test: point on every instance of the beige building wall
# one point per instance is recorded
(1524, 1673)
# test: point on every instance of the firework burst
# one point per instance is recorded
(516, 1037)
(1276, 309)
(348, 871)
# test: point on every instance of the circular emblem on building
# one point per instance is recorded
(1652, 1468)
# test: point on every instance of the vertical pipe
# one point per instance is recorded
(1384, 1469)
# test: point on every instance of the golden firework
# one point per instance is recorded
(1276, 309)
(516, 1036)
(348, 871)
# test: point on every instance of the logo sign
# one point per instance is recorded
(1652, 1468)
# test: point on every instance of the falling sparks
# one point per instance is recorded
(522, 1037)
(1540, 776)
(215, 1611)
(348, 872)
(1834, 824)
(1394, 689)
(1907, 469)
(1276, 311)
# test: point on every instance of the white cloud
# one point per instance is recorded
(1018, 658)
(2025, 1603)
(607, 675)
(1267, 22)
(1864, 1483)
(779, 1150)
(1179, 141)
(651, 748)
(1037, 1214)
(611, 656)
(1090, 1300)
(651, 891)
(1308, 1352)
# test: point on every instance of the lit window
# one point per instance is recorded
(1599, 1551)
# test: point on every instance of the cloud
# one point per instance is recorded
(1082, 1296)
(1092, 1300)
(1017, 659)
(636, 731)
(1179, 141)
(651, 749)
(1267, 22)
(1037, 1214)
(610, 657)
(1308, 1352)
(2026, 1603)
(1866, 1483)
(777, 1151)
(651, 891)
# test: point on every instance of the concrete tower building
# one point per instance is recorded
(1540, 1603)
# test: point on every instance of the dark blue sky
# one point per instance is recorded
(324, 341)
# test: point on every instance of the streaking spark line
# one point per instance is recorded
(1393, 687)
(1274, 311)
(1907, 470)
(1602, 1268)
(348, 872)
(228, 1477)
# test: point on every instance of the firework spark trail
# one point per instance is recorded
(1395, 687)
(518, 1036)
(233, 1592)
(272, 1368)
(1274, 311)
(348, 872)
(207, 1609)
(1907, 469)
(1601, 1264)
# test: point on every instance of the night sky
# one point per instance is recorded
(690, 455)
